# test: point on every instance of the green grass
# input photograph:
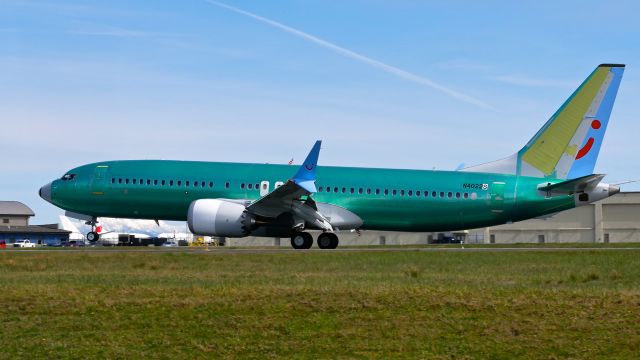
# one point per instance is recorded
(323, 304)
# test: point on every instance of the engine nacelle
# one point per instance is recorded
(215, 217)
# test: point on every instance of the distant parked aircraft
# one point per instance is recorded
(105, 235)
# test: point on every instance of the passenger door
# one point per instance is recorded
(99, 180)
(264, 188)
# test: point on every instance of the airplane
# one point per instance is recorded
(175, 236)
(550, 173)
(66, 224)
(106, 236)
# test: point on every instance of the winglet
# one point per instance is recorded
(306, 175)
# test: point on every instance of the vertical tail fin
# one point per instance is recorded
(567, 146)
(66, 224)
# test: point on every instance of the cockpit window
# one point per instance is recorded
(68, 177)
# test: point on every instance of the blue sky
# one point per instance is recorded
(85, 81)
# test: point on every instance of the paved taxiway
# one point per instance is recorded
(222, 251)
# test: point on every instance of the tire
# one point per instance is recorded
(334, 241)
(324, 241)
(93, 236)
(301, 240)
(327, 241)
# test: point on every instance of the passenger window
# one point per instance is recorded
(457, 195)
(344, 190)
(179, 182)
(386, 191)
(377, 191)
(360, 191)
(242, 186)
(352, 190)
(126, 181)
(135, 181)
(328, 189)
(433, 194)
(257, 186)
(202, 184)
(148, 182)
(394, 192)
(113, 180)
(250, 186)
(401, 192)
(163, 182)
(335, 189)
(417, 192)
(211, 184)
(141, 181)
(449, 194)
(170, 182)
(410, 192)
(320, 189)
(155, 182)
(226, 185)
(186, 183)
(466, 195)
(368, 191)
(441, 194)
(426, 193)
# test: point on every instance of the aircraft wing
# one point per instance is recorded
(288, 198)
(573, 186)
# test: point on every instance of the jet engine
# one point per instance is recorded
(215, 217)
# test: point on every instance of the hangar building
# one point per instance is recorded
(14, 225)
(615, 219)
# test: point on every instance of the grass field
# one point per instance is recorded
(320, 304)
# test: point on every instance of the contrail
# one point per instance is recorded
(355, 56)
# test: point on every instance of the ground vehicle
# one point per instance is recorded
(76, 243)
(3, 244)
(170, 244)
(26, 243)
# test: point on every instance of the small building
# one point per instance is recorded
(14, 226)
(15, 213)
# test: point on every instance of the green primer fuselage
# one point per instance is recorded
(385, 199)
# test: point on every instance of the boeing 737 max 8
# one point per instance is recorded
(551, 173)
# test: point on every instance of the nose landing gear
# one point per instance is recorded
(93, 235)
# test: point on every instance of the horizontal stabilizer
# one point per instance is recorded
(570, 187)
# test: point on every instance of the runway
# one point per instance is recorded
(248, 250)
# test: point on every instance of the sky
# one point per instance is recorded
(399, 84)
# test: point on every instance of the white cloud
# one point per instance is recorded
(523, 80)
(111, 31)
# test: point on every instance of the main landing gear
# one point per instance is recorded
(304, 240)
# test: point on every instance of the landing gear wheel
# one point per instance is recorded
(93, 236)
(327, 241)
(301, 240)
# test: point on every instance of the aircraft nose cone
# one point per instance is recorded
(45, 192)
(613, 190)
